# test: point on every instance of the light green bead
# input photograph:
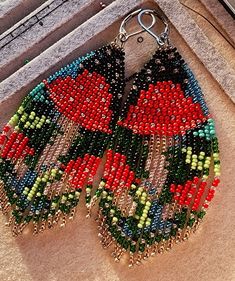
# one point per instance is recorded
(199, 168)
(189, 148)
(148, 223)
(133, 186)
(215, 154)
(38, 126)
(138, 192)
(39, 194)
(25, 192)
(112, 211)
(53, 205)
(77, 194)
(140, 225)
(71, 196)
(193, 167)
(184, 150)
(104, 193)
(102, 184)
(206, 166)
(187, 161)
(194, 164)
(199, 163)
(115, 219)
(217, 174)
(147, 208)
(148, 204)
(144, 215)
(189, 152)
(188, 157)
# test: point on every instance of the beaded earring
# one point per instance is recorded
(155, 187)
(53, 145)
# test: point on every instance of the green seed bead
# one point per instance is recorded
(115, 219)
(212, 132)
(148, 204)
(138, 193)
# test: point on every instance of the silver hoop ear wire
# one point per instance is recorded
(162, 38)
(123, 36)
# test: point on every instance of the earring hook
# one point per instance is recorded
(123, 36)
(162, 38)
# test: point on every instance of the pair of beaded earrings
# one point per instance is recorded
(158, 150)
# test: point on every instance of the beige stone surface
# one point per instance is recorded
(74, 253)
